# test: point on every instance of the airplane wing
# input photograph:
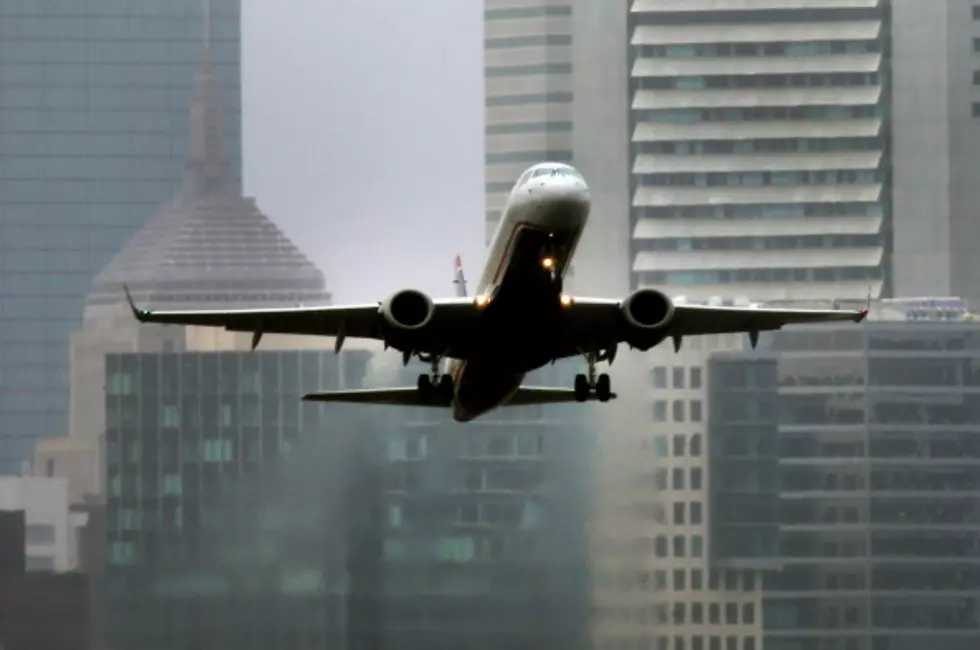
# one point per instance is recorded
(341, 321)
(524, 396)
(692, 320)
(601, 319)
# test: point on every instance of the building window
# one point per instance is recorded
(696, 474)
(976, 109)
(748, 614)
(39, 563)
(976, 77)
(696, 516)
(680, 442)
(678, 377)
(679, 512)
(678, 410)
(697, 546)
(659, 377)
(696, 410)
(976, 12)
(976, 45)
(696, 444)
(39, 534)
(680, 546)
(678, 478)
(697, 580)
(695, 378)
(680, 580)
(660, 411)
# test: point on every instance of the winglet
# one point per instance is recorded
(137, 313)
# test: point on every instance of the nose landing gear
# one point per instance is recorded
(591, 383)
(549, 262)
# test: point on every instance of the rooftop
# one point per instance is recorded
(209, 246)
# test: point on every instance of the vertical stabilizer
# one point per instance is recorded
(459, 280)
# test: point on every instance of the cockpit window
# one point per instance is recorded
(542, 171)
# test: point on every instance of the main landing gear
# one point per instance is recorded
(437, 387)
(589, 384)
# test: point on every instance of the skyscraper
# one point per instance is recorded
(93, 130)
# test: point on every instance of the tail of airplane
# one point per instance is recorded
(459, 280)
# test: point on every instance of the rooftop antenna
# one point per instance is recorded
(207, 24)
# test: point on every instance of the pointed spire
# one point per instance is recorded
(206, 169)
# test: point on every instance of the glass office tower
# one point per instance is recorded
(93, 135)
(237, 515)
(878, 476)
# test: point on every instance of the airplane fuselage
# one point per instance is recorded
(521, 287)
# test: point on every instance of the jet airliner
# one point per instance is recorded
(481, 347)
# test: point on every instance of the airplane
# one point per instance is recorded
(520, 319)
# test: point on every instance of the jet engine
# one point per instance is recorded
(648, 309)
(407, 310)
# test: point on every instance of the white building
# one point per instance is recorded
(51, 529)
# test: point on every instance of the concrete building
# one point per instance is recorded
(52, 530)
(867, 538)
(93, 102)
(760, 147)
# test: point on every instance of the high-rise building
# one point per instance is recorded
(760, 151)
(93, 97)
(236, 512)
(862, 438)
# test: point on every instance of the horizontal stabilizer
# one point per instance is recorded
(391, 396)
(410, 397)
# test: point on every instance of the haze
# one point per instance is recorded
(363, 136)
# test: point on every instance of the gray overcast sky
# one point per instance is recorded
(363, 136)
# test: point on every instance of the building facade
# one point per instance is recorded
(760, 149)
(94, 100)
(346, 527)
(877, 474)
(233, 513)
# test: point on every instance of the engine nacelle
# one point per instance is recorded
(648, 309)
(408, 310)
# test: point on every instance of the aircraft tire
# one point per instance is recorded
(425, 388)
(581, 388)
(446, 387)
(603, 388)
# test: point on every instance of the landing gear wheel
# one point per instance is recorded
(582, 388)
(446, 387)
(603, 388)
(426, 389)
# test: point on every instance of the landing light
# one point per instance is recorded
(481, 301)
(548, 263)
(566, 300)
